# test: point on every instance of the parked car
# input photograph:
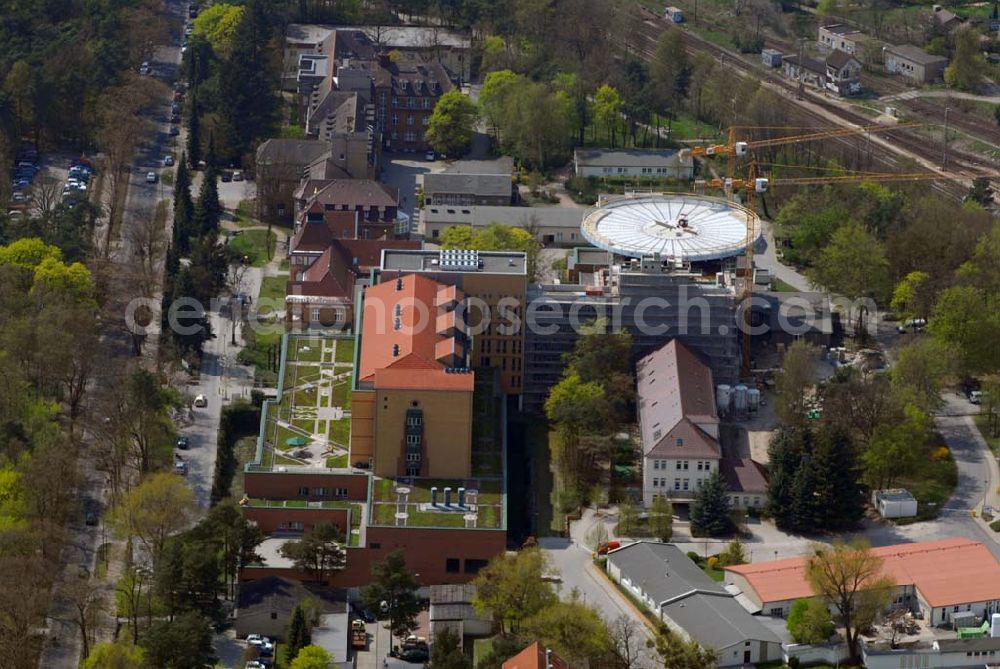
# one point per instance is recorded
(414, 655)
(257, 639)
(90, 517)
(180, 467)
(912, 325)
(145, 69)
(430, 155)
(976, 396)
(183, 443)
(174, 131)
(237, 176)
(151, 177)
(168, 160)
(201, 401)
(227, 176)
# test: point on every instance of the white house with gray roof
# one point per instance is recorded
(640, 163)
(472, 182)
(680, 594)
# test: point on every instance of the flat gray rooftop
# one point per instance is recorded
(490, 262)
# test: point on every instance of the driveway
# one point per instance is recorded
(404, 171)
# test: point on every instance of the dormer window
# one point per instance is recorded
(680, 442)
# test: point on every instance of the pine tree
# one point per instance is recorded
(183, 207)
(299, 635)
(840, 490)
(710, 509)
(807, 513)
(784, 456)
(194, 132)
(208, 210)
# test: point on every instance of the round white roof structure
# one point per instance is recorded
(681, 227)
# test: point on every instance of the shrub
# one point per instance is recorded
(713, 562)
(941, 453)
(694, 557)
(995, 526)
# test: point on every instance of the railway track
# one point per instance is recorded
(650, 26)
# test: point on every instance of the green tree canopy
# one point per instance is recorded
(809, 621)
(967, 67)
(963, 321)
(114, 655)
(319, 552)
(512, 590)
(853, 264)
(393, 591)
(312, 657)
(572, 629)
(452, 123)
(711, 509)
(217, 24)
(913, 296)
(496, 237)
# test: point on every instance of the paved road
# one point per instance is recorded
(572, 559)
(63, 648)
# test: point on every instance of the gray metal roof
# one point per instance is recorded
(630, 158)
(703, 608)
(967, 645)
(485, 185)
(428, 260)
(915, 54)
(502, 165)
(479, 216)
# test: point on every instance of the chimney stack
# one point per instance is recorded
(434, 496)
(461, 496)
(447, 497)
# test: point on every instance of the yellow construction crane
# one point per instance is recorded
(754, 183)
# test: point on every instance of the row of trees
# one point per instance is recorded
(233, 67)
(588, 406)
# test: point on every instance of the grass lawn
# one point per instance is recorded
(715, 574)
(340, 433)
(245, 212)
(345, 351)
(931, 482)
(254, 245)
(982, 422)
(291, 132)
(686, 126)
(779, 286)
(337, 461)
(272, 294)
(245, 450)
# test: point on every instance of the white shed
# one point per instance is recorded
(895, 503)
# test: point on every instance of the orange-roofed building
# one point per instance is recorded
(412, 409)
(536, 656)
(938, 578)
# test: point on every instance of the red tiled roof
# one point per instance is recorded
(743, 475)
(357, 192)
(399, 332)
(420, 379)
(315, 237)
(533, 657)
(946, 573)
(368, 252)
(326, 277)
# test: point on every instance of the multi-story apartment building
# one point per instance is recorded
(495, 285)
(406, 90)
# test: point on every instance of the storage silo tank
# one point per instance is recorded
(723, 394)
(740, 398)
(753, 398)
(995, 625)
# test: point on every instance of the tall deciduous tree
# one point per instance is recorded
(850, 577)
(184, 643)
(393, 592)
(319, 552)
(967, 67)
(452, 123)
(670, 70)
(114, 655)
(608, 108)
(512, 590)
(661, 518)
(154, 510)
(299, 635)
(311, 657)
(913, 296)
(853, 264)
(572, 629)
(798, 374)
(809, 621)
(920, 372)
(962, 319)
(446, 653)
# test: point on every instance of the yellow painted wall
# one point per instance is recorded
(447, 444)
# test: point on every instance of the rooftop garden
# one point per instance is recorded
(310, 424)
(387, 502)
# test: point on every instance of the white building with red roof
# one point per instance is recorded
(938, 578)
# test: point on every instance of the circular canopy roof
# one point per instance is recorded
(677, 227)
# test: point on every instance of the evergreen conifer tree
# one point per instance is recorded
(710, 509)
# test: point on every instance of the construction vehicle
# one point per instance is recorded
(359, 636)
